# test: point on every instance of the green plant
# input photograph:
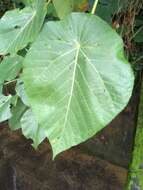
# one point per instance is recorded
(62, 80)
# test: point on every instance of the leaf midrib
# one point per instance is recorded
(79, 49)
(72, 89)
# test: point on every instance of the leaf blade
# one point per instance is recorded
(82, 81)
(20, 27)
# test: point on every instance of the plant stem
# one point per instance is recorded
(48, 2)
(6, 83)
(94, 7)
(135, 178)
(138, 59)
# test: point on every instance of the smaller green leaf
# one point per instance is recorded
(20, 27)
(4, 108)
(17, 113)
(24, 118)
(63, 7)
(21, 92)
(51, 12)
(10, 67)
(57, 7)
(30, 128)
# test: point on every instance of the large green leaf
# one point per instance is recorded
(76, 78)
(19, 27)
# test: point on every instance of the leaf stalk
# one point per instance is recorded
(94, 7)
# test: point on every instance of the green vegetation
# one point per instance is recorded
(63, 75)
